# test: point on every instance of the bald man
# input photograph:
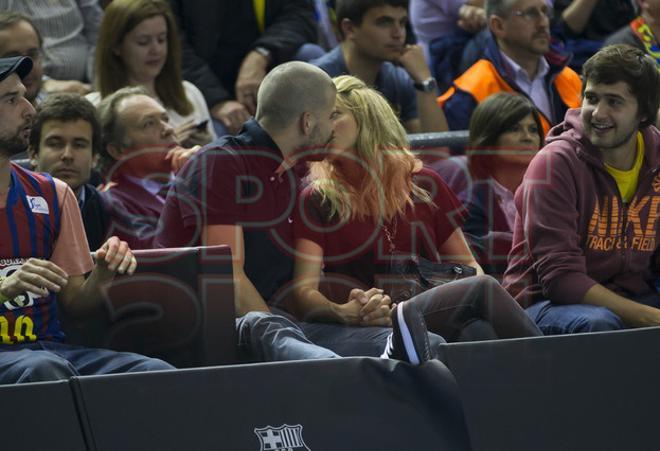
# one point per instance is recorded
(241, 190)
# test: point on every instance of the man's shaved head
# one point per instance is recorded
(291, 89)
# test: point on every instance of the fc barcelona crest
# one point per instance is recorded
(283, 438)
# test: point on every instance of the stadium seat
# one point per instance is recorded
(354, 403)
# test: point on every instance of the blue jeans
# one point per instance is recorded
(267, 337)
(558, 319)
(48, 361)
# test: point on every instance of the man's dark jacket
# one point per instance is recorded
(217, 34)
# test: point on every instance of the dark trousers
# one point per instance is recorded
(472, 309)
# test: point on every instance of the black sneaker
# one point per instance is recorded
(409, 340)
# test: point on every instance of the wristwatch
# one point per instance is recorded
(427, 85)
(263, 51)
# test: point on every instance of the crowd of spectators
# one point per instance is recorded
(137, 124)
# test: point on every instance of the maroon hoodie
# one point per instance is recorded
(572, 229)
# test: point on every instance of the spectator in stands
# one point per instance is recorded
(44, 259)
(229, 46)
(374, 33)
(65, 142)
(240, 192)
(19, 37)
(436, 19)
(444, 29)
(585, 244)
(69, 30)
(505, 134)
(139, 46)
(517, 59)
(642, 32)
(582, 25)
(359, 230)
(139, 154)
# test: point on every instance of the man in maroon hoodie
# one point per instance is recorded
(585, 245)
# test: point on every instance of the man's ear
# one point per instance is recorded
(114, 151)
(32, 155)
(306, 123)
(496, 25)
(347, 28)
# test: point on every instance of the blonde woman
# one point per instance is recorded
(370, 205)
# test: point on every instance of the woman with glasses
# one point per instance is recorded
(372, 218)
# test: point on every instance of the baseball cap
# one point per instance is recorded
(22, 65)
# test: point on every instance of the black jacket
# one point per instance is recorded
(96, 217)
(217, 34)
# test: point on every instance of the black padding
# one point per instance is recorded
(178, 306)
(597, 391)
(40, 416)
(352, 404)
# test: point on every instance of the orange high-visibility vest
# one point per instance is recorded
(483, 80)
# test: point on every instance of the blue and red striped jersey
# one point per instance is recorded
(29, 226)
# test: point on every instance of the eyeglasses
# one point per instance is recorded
(34, 54)
(534, 14)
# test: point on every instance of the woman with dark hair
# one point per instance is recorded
(139, 45)
(370, 210)
(505, 134)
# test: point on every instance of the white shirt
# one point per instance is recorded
(535, 89)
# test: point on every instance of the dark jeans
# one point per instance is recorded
(474, 308)
(48, 361)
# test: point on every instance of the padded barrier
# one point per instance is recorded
(40, 416)
(178, 306)
(353, 403)
(595, 391)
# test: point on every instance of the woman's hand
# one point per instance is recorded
(179, 155)
(376, 312)
(366, 308)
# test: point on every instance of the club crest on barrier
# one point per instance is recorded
(283, 438)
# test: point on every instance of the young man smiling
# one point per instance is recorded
(374, 33)
(585, 244)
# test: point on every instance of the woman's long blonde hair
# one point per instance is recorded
(381, 149)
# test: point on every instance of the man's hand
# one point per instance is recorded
(250, 75)
(183, 131)
(73, 86)
(376, 311)
(36, 276)
(412, 60)
(367, 308)
(232, 114)
(115, 256)
(179, 155)
(471, 18)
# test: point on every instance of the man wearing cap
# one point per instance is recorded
(43, 260)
